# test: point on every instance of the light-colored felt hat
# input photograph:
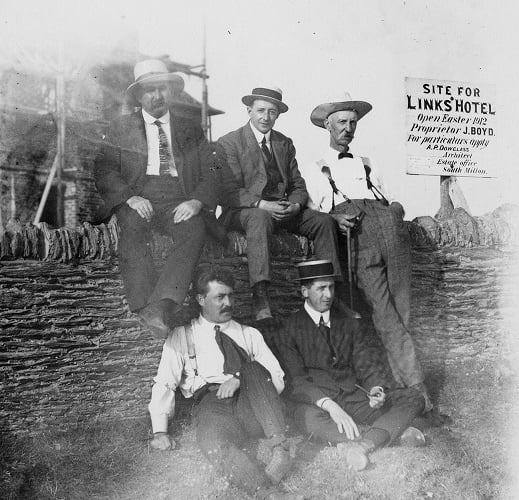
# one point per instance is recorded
(323, 111)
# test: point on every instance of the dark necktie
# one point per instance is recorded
(234, 355)
(344, 154)
(325, 332)
(265, 149)
(166, 160)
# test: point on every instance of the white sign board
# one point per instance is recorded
(450, 128)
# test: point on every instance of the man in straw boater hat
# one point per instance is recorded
(264, 191)
(338, 378)
(230, 372)
(349, 188)
(155, 170)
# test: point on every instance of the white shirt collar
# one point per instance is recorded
(205, 323)
(316, 315)
(259, 135)
(151, 119)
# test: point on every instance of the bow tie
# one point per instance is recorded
(345, 154)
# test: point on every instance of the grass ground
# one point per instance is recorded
(470, 459)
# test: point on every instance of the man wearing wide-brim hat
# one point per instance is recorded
(155, 171)
(338, 378)
(264, 191)
(348, 186)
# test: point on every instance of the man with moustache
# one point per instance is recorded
(264, 191)
(381, 244)
(155, 171)
(337, 379)
(229, 370)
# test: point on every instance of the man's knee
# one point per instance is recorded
(258, 221)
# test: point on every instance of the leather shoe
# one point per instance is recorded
(279, 464)
(152, 318)
(260, 301)
(412, 438)
(356, 453)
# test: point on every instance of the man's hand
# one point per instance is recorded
(162, 441)
(280, 210)
(344, 422)
(228, 388)
(186, 210)
(377, 397)
(142, 206)
(344, 222)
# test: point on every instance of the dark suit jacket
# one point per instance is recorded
(120, 168)
(243, 170)
(311, 371)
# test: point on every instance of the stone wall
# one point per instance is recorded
(71, 350)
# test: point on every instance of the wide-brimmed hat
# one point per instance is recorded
(313, 269)
(271, 94)
(323, 111)
(154, 71)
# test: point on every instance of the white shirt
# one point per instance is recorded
(260, 135)
(349, 175)
(176, 369)
(152, 139)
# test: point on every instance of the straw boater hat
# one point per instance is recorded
(313, 269)
(271, 94)
(154, 71)
(323, 111)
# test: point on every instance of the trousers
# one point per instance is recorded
(397, 413)
(382, 264)
(142, 283)
(259, 226)
(223, 426)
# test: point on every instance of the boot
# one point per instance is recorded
(260, 301)
(412, 438)
(356, 453)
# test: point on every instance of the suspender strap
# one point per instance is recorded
(376, 192)
(188, 337)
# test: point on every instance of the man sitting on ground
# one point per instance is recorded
(337, 380)
(229, 369)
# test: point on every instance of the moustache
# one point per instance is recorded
(226, 309)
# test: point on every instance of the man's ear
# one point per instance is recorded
(304, 291)
(200, 299)
(326, 123)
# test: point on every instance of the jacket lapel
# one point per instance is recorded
(280, 153)
(179, 137)
(253, 150)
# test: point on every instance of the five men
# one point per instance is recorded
(230, 371)
(348, 186)
(156, 171)
(263, 190)
(326, 355)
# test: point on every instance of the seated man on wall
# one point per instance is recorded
(347, 186)
(230, 371)
(337, 380)
(263, 191)
(155, 170)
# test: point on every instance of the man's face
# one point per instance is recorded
(342, 126)
(155, 98)
(217, 304)
(319, 293)
(263, 115)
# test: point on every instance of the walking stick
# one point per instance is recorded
(350, 270)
